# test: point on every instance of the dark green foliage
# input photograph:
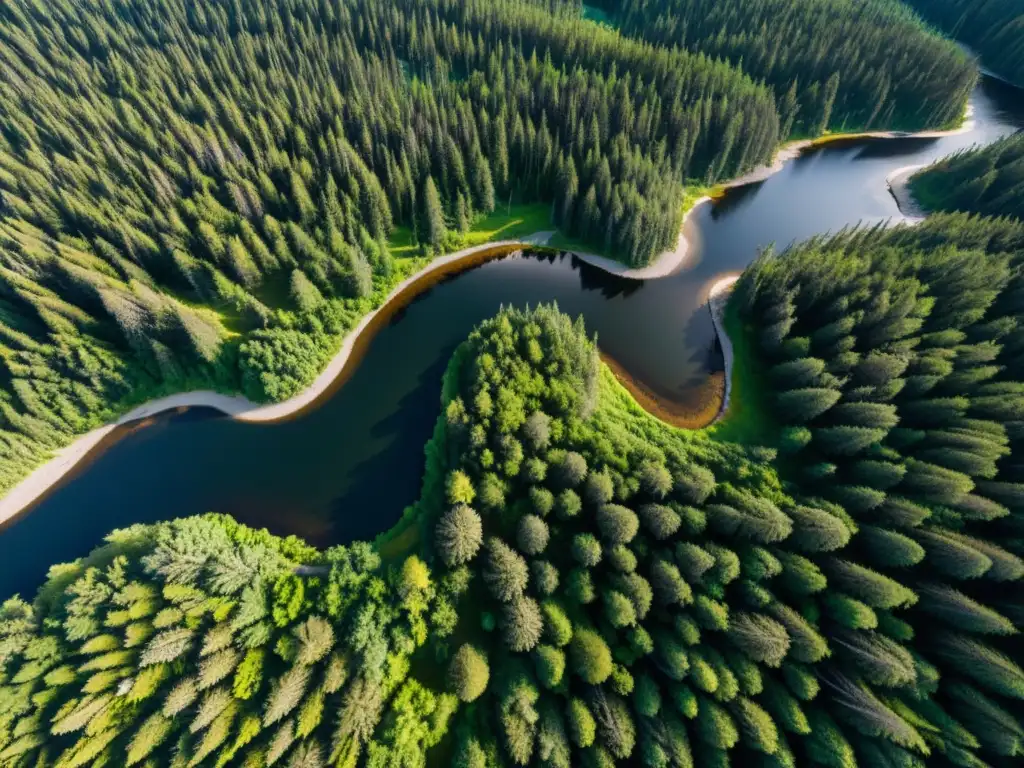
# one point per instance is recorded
(748, 611)
(194, 197)
(825, 72)
(803, 405)
(993, 29)
(617, 524)
(984, 180)
(922, 487)
(889, 548)
(962, 612)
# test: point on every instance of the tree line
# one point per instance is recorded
(993, 28)
(987, 180)
(842, 65)
(200, 194)
(591, 587)
(203, 642)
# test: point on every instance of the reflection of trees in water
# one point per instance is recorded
(884, 149)
(1007, 98)
(735, 198)
(591, 278)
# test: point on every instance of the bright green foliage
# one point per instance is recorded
(590, 657)
(550, 665)
(581, 723)
(468, 673)
(207, 686)
(746, 606)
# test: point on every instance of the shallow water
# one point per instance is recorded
(346, 469)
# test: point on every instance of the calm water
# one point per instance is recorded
(347, 469)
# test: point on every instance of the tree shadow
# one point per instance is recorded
(384, 484)
(735, 199)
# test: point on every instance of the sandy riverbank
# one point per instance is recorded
(666, 264)
(46, 476)
(792, 149)
(64, 460)
(718, 297)
(899, 185)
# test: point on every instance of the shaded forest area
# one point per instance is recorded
(988, 180)
(843, 65)
(993, 28)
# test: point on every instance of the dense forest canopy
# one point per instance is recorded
(839, 64)
(198, 194)
(993, 28)
(202, 642)
(201, 193)
(988, 180)
(586, 586)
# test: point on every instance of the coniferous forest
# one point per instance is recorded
(197, 194)
(582, 585)
(989, 180)
(202, 193)
(843, 65)
(993, 28)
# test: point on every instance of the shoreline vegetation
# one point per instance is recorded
(47, 476)
(228, 241)
(579, 580)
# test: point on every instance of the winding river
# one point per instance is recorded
(346, 469)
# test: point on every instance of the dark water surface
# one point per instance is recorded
(346, 469)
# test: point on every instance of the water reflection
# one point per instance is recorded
(348, 468)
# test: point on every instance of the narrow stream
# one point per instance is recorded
(348, 468)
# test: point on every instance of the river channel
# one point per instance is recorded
(346, 469)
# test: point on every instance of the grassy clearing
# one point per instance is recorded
(401, 242)
(505, 223)
(694, 191)
(510, 222)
